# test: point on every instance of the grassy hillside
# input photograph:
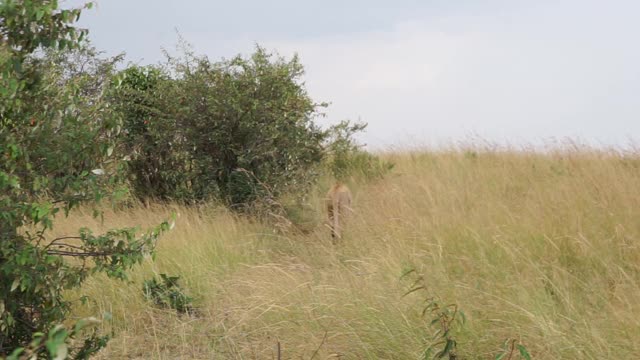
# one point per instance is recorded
(541, 248)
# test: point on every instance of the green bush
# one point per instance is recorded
(345, 157)
(167, 293)
(57, 142)
(157, 163)
(238, 130)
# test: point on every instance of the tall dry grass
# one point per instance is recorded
(539, 247)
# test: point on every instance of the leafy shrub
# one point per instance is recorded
(238, 130)
(156, 168)
(346, 157)
(447, 321)
(167, 293)
(57, 138)
(54, 344)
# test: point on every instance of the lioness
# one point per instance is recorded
(338, 205)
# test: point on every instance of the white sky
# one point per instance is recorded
(422, 72)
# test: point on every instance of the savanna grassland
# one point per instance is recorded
(541, 248)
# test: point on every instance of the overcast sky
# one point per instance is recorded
(421, 72)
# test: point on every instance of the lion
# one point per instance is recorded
(338, 202)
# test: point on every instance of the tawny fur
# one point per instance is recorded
(338, 202)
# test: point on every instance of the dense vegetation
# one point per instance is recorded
(236, 131)
(460, 253)
(77, 128)
(57, 134)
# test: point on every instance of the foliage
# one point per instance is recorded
(241, 131)
(29, 25)
(509, 350)
(346, 157)
(167, 293)
(238, 130)
(54, 344)
(443, 318)
(57, 138)
(146, 141)
(83, 65)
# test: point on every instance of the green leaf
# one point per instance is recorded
(55, 344)
(523, 351)
(451, 344)
(62, 351)
(15, 284)
(463, 317)
(15, 355)
(83, 323)
(42, 210)
(59, 334)
(427, 353)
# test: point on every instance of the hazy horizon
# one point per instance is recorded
(435, 72)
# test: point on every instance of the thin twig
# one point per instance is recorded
(512, 348)
(77, 254)
(67, 245)
(53, 242)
